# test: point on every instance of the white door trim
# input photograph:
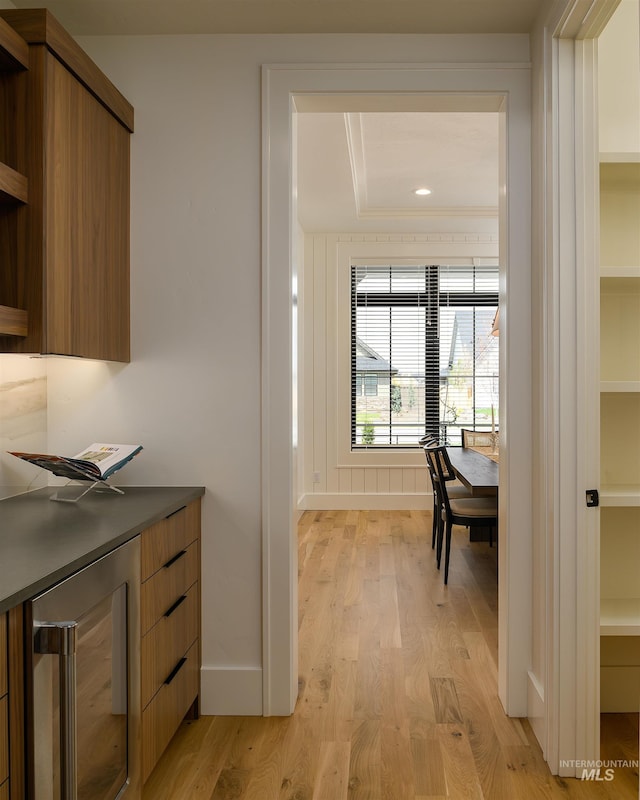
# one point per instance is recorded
(281, 83)
(588, 412)
(571, 302)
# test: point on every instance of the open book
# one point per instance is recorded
(95, 463)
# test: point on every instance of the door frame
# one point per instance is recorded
(509, 84)
(568, 726)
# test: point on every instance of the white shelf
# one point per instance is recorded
(619, 386)
(620, 272)
(620, 495)
(620, 617)
(619, 158)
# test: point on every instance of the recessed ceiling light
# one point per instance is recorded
(422, 191)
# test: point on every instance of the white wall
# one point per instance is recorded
(367, 479)
(191, 394)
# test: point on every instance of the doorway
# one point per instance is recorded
(286, 91)
(365, 225)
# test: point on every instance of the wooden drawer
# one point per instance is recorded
(167, 642)
(162, 716)
(164, 540)
(3, 654)
(4, 739)
(167, 585)
(4, 791)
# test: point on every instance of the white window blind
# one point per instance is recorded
(421, 335)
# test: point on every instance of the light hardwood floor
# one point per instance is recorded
(397, 686)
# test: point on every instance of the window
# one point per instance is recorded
(367, 384)
(423, 359)
(371, 385)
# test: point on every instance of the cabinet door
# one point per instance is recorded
(86, 212)
(4, 709)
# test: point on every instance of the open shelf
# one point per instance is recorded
(14, 51)
(620, 495)
(619, 360)
(607, 387)
(620, 272)
(620, 158)
(620, 330)
(14, 57)
(13, 185)
(13, 321)
(620, 617)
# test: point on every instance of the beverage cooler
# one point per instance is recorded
(84, 694)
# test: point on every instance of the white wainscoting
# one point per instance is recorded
(331, 475)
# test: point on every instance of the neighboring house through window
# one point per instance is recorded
(370, 367)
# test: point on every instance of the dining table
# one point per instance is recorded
(477, 470)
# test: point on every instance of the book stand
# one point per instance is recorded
(83, 468)
(73, 498)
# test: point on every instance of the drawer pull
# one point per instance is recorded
(177, 511)
(176, 605)
(175, 670)
(175, 558)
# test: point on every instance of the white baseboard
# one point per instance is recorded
(535, 709)
(231, 691)
(419, 501)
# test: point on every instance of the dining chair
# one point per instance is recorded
(477, 438)
(429, 440)
(470, 511)
(457, 491)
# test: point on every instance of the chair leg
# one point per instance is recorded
(440, 537)
(447, 553)
(434, 527)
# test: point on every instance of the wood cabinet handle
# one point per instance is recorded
(176, 605)
(174, 559)
(175, 670)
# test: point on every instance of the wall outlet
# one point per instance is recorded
(316, 477)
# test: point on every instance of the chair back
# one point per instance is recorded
(438, 460)
(431, 465)
(476, 438)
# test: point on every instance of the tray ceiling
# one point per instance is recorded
(359, 171)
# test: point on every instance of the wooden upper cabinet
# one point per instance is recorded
(68, 247)
(14, 59)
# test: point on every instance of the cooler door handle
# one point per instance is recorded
(59, 638)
